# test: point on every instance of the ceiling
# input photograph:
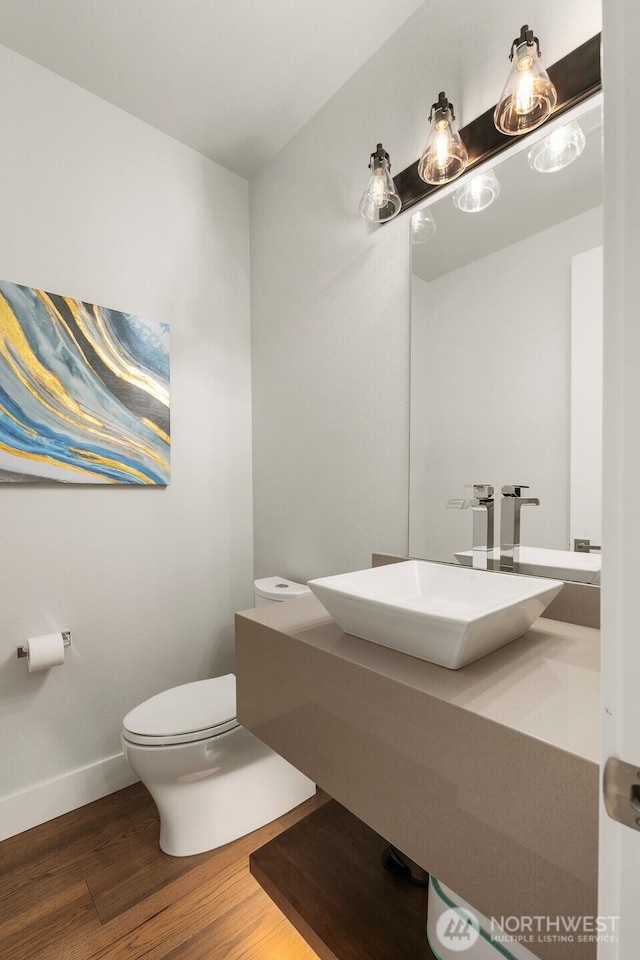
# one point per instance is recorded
(233, 80)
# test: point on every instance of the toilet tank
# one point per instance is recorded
(277, 589)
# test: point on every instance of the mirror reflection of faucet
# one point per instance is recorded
(582, 563)
(482, 504)
(510, 507)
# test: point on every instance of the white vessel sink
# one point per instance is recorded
(540, 561)
(448, 615)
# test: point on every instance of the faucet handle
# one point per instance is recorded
(483, 491)
(514, 489)
(455, 503)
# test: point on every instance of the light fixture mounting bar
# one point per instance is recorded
(576, 77)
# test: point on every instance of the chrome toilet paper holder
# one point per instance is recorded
(66, 639)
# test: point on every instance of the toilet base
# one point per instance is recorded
(204, 810)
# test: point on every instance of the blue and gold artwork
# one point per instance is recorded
(84, 392)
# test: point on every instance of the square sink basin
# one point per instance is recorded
(449, 615)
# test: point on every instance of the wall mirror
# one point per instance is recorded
(506, 357)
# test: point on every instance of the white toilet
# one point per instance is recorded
(211, 779)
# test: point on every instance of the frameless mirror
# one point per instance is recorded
(506, 358)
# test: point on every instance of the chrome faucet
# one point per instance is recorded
(510, 506)
(482, 504)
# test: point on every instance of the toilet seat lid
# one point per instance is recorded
(192, 711)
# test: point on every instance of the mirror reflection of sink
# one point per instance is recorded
(445, 614)
(541, 561)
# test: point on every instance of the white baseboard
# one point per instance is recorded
(43, 802)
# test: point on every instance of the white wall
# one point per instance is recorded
(97, 205)
(490, 389)
(330, 293)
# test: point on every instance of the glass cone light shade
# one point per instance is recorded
(478, 193)
(380, 200)
(558, 150)
(529, 96)
(423, 226)
(445, 156)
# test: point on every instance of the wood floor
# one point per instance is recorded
(94, 885)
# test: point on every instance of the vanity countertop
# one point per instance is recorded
(486, 776)
(545, 684)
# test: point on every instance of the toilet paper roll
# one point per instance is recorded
(45, 651)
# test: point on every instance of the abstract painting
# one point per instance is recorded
(84, 392)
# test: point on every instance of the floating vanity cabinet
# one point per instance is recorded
(486, 777)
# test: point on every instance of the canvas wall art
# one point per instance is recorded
(84, 392)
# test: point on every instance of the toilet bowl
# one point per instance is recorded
(212, 780)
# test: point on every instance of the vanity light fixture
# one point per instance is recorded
(577, 77)
(423, 226)
(558, 150)
(380, 200)
(478, 193)
(445, 155)
(529, 95)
